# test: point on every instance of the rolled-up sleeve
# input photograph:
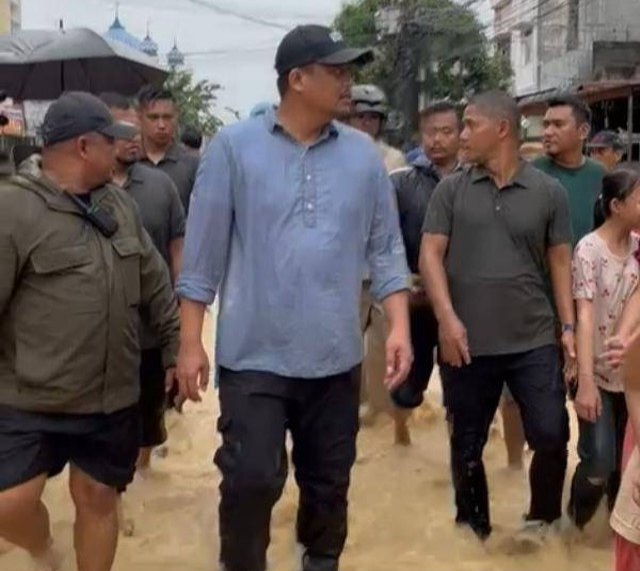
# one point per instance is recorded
(385, 250)
(208, 225)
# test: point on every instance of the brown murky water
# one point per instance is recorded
(401, 514)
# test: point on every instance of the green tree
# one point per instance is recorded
(440, 40)
(195, 100)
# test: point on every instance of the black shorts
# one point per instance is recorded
(104, 446)
(153, 398)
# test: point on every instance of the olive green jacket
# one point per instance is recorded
(70, 299)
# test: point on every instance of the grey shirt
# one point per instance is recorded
(496, 259)
(162, 217)
(181, 166)
(160, 206)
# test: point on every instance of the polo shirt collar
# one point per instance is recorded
(173, 154)
(273, 124)
(522, 178)
(133, 175)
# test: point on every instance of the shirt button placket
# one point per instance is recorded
(308, 195)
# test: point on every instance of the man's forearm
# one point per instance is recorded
(191, 321)
(175, 253)
(434, 278)
(560, 270)
(396, 309)
(584, 341)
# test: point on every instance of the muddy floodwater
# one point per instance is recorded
(400, 519)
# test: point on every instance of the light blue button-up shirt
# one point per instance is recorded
(285, 232)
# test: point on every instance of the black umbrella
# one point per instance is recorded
(42, 64)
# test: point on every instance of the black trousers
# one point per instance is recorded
(256, 411)
(473, 394)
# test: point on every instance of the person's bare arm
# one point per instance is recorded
(396, 309)
(587, 403)
(433, 274)
(192, 355)
(175, 255)
(559, 262)
(454, 345)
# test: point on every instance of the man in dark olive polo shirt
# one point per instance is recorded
(159, 123)
(491, 231)
(163, 218)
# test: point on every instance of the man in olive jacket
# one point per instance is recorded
(75, 267)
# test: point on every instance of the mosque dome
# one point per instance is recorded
(118, 33)
(149, 46)
(175, 57)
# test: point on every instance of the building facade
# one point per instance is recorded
(10, 16)
(563, 43)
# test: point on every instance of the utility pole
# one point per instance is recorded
(400, 26)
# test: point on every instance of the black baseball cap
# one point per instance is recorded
(607, 140)
(76, 113)
(309, 44)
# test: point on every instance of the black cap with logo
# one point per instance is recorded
(76, 113)
(309, 44)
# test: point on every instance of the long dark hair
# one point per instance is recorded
(616, 185)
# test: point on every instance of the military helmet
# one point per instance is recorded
(369, 99)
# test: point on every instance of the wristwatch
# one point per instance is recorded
(568, 328)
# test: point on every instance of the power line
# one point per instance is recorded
(240, 15)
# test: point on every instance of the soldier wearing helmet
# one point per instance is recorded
(370, 111)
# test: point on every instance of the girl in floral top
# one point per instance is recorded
(605, 274)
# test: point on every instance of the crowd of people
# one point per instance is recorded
(514, 268)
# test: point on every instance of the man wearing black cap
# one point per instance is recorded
(287, 211)
(607, 148)
(75, 265)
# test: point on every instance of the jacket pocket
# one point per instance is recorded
(128, 252)
(59, 260)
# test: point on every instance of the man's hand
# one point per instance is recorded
(570, 357)
(454, 345)
(399, 358)
(588, 402)
(615, 352)
(193, 370)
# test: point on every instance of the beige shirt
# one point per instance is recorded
(608, 281)
(393, 158)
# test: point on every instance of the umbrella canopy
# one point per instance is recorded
(43, 64)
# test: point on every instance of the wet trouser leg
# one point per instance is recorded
(253, 463)
(621, 418)
(324, 427)
(599, 448)
(535, 381)
(473, 394)
(424, 339)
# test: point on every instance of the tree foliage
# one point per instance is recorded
(195, 100)
(447, 39)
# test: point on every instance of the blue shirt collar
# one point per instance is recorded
(273, 124)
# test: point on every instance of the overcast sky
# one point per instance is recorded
(236, 51)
